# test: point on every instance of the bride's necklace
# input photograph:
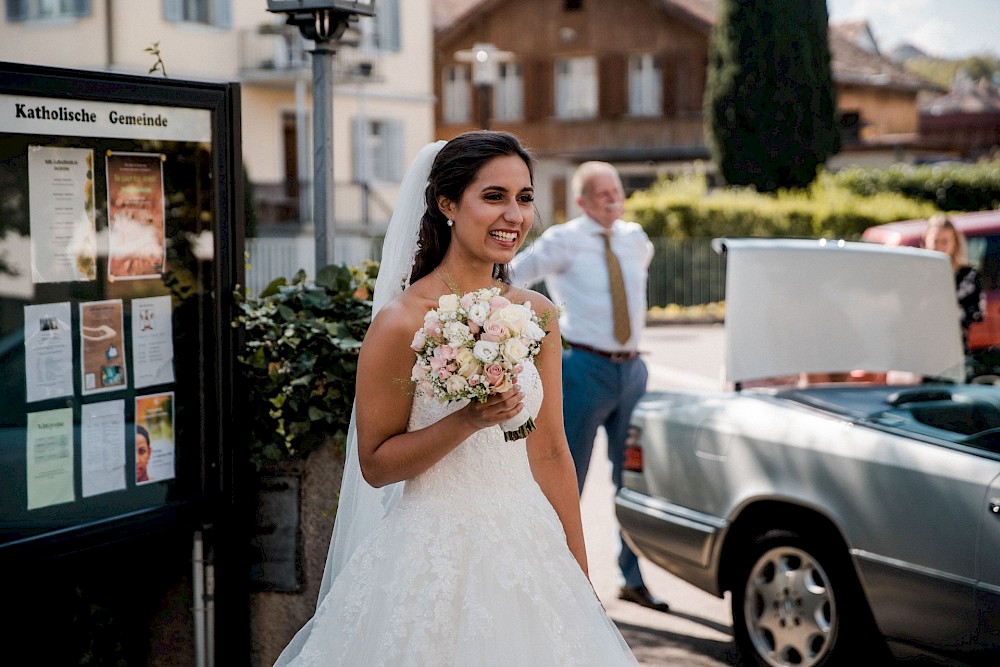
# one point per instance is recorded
(453, 287)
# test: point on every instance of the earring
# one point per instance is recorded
(450, 222)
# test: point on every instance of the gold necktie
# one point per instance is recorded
(619, 301)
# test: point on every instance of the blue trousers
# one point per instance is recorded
(599, 392)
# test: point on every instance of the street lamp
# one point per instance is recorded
(484, 58)
(324, 22)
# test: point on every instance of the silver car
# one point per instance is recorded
(844, 485)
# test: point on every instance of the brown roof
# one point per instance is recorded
(852, 64)
(965, 97)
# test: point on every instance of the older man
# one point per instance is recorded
(595, 269)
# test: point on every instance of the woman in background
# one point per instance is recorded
(942, 235)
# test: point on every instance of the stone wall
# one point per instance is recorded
(275, 617)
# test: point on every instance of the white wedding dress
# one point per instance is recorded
(469, 568)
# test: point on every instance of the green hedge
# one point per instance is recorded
(683, 207)
(950, 188)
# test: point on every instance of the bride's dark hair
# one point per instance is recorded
(455, 167)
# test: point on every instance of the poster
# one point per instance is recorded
(136, 238)
(154, 438)
(102, 447)
(48, 351)
(102, 345)
(61, 205)
(152, 341)
(50, 458)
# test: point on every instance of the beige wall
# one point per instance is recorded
(196, 51)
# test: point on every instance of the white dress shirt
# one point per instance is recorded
(570, 258)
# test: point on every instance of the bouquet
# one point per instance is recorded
(475, 345)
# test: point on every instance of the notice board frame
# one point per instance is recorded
(203, 263)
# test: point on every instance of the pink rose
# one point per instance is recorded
(497, 378)
(495, 331)
(498, 302)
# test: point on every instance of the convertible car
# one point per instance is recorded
(844, 485)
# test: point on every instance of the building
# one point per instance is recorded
(624, 82)
(383, 103)
(963, 123)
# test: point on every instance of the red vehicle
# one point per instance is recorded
(982, 231)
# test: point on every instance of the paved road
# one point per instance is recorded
(698, 631)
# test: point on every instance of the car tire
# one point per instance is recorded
(797, 602)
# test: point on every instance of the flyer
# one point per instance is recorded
(61, 202)
(50, 458)
(154, 438)
(102, 345)
(136, 239)
(102, 447)
(152, 341)
(48, 351)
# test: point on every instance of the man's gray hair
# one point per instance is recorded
(587, 171)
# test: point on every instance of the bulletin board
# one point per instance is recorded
(119, 248)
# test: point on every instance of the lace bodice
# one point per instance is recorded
(483, 467)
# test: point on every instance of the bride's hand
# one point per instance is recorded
(495, 409)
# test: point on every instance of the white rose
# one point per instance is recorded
(455, 384)
(515, 316)
(456, 333)
(479, 312)
(485, 351)
(513, 350)
(448, 303)
(533, 331)
(468, 365)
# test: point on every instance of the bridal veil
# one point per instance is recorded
(362, 506)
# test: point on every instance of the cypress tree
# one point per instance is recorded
(770, 103)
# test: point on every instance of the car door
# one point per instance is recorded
(988, 569)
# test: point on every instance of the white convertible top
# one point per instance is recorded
(810, 306)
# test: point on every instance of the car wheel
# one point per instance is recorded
(796, 603)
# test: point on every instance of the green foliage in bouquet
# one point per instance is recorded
(299, 358)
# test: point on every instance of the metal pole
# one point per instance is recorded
(322, 85)
(302, 152)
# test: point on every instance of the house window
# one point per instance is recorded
(645, 85)
(576, 88)
(43, 10)
(216, 13)
(378, 150)
(387, 32)
(457, 95)
(572, 5)
(382, 31)
(508, 94)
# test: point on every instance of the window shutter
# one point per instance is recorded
(669, 74)
(395, 130)
(222, 15)
(387, 16)
(81, 8)
(17, 10)
(359, 144)
(173, 10)
(612, 85)
(538, 89)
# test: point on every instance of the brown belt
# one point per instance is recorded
(618, 357)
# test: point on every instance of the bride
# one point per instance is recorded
(452, 546)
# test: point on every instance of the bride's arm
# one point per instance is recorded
(387, 452)
(548, 451)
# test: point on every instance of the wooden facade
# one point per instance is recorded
(538, 34)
